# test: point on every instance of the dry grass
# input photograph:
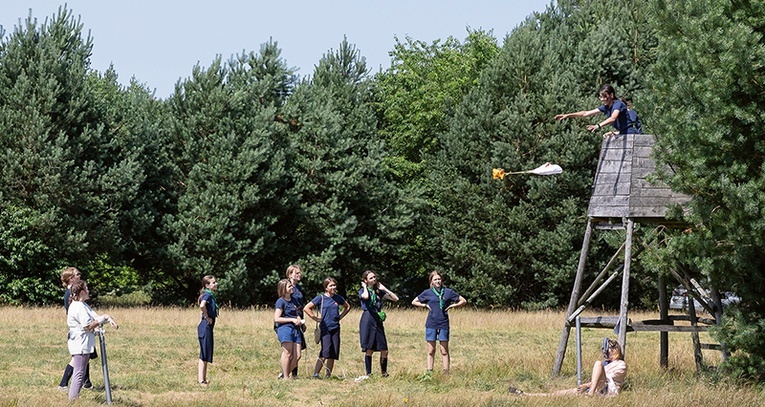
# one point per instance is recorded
(153, 359)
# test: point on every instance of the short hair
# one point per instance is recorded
(281, 287)
(67, 274)
(292, 269)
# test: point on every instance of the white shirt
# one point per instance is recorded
(79, 316)
(615, 372)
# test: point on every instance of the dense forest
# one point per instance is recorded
(247, 167)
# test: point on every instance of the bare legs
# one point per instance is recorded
(446, 359)
(290, 357)
(598, 380)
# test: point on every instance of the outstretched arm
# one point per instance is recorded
(581, 113)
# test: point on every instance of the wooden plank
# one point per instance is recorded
(644, 193)
(642, 151)
(643, 140)
(649, 202)
(616, 167)
(608, 212)
(620, 200)
(668, 328)
(604, 189)
(647, 212)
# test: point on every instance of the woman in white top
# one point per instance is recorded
(607, 375)
(82, 322)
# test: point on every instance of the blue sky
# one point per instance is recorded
(159, 41)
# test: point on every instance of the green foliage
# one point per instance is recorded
(419, 92)
(351, 217)
(515, 242)
(233, 188)
(710, 92)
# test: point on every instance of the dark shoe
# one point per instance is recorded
(385, 374)
(513, 390)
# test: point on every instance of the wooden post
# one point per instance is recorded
(664, 315)
(718, 317)
(697, 356)
(574, 299)
(625, 288)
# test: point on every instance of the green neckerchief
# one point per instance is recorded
(215, 300)
(440, 296)
(372, 297)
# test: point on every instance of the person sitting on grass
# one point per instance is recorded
(607, 375)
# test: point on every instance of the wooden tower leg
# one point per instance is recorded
(718, 318)
(625, 288)
(697, 356)
(574, 299)
(664, 316)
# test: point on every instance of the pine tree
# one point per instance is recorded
(233, 186)
(709, 93)
(351, 217)
(67, 176)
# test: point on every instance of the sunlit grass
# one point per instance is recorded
(152, 360)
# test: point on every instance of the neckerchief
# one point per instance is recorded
(372, 297)
(215, 300)
(440, 295)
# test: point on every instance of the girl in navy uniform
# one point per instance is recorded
(371, 329)
(614, 109)
(295, 274)
(209, 306)
(288, 322)
(329, 323)
(438, 300)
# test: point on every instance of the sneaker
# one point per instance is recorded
(88, 387)
(361, 378)
(385, 374)
(204, 383)
(315, 376)
(281, 376)
(513, 390)
(63, 388)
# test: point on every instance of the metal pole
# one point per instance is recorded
(105, 366)
(578, 351)
(623, 320)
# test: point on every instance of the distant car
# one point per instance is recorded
(679, 299)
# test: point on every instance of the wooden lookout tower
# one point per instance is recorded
(621, 197)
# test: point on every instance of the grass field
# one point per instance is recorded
(153, 359)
